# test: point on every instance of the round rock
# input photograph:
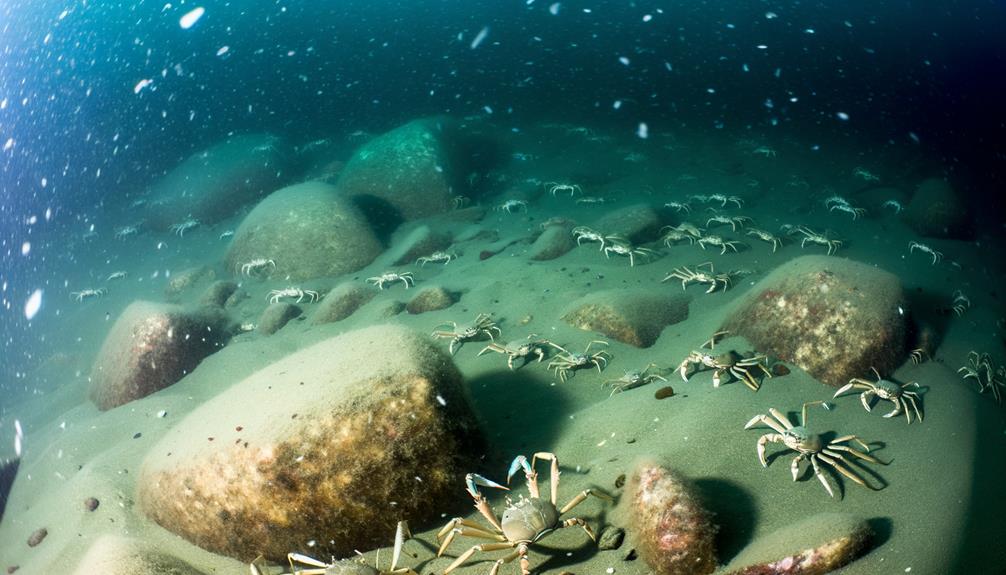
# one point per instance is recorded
(342, 302)
(308, 230)
(334, 443)
(633, 316)
(937, 211)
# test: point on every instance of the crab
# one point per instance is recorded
(556, 187)
(764, 151)
(983, 370)
(179, 229)
(591, 200)
(126, 231)
(688, 276)
(622, 247)
(87, 293)
(277, 294)
(686, 228)
(812, 447)
(849, 209)
(584, 233)
(766, 237)
(567, 362)
(960, 304)
(718, 242)
(345, 566)
(523, 523)
(437, 257)
(679, 207)
(520, 349)
(510, 205)
(392, 277)
(256, 265)
(894, 205)
(673, 236)
(459, 334)
(730, 362)
(813, 237)
(937, 256)
(724, 200)
(898, 394)
(734, 222)
(115, 276)
(865, 174)
(634, 378)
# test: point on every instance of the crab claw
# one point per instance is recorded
(518, 462)
(473, 480)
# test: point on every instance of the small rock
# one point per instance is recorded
(779, 370)
(556, 240)
(664, 392)
(342, 302)
(37, 537)
(276, 316)
(937, 211)
(635, 316)
(12, 568)
(218, 293)
(391, 309)
(431, 298)
(610, 538)
(185, 280)
(91, 503)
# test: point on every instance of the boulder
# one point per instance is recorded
(431, 298)
(937, 211)
(114, 555)
(309, 230)
(187, 279)
(212, 185)
(638, 223)
(419, 242)
(152, 346)
(673, 533)
(218, 293)
(554, 241)
(342, 302)
(411, 169)
(334, 443)
(635, 316)
(813, 546)
(277, 315)
(834, 318)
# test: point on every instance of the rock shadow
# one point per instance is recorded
(8, 472)
(383, 218)
(734, 511)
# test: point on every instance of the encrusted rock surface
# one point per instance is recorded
(333, 443)
(152, 346)
(342, 302)
(276, 316)
(832, 317)
(554, 241)
(635, 316)
(431, 298)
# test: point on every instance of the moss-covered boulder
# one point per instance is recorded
(673, 533)
(814, 546)
(276, 316)
(432, 298)
(938, 211)
(212, 185)
(152, 346)
(555, 240)
(308, 230)
(334, 444)
(634, 316)
(834, 318)
(416, 169)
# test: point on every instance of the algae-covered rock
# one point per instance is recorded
(431, 298)
(937, 211)
(113, 555)
(152, 346)
(181, 282)
(410, 168)
(634, 316)
(638, 223)
(833, 318)
(309, 230)
(277, 315)
(218, 293)
(554, 241)
(813, 546)
(342, 302)
(672, 531)
(213, 184)
(334, 443)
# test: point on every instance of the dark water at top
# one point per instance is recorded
(97, 99)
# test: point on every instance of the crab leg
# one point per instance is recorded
(898, 408)
(467, 554)
(910, 398)
(402, 533)
(529, 472)
(794, 466)
(472, 480)
(803, 410)
(505, 559)
(467, 531)
(553, 473)
(577, 521)
(762, 418)
(839, 463)
(782, 419)
(583, 495)
(820, 475)
(773, 437)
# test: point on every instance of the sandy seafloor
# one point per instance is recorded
(940, 511)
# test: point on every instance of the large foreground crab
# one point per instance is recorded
(904, 400)
(811, 447)
(343, 566)
(523, 523)
(731, 363)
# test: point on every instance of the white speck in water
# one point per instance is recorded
(191, 17)
(162, 413)
(609, 570)
(33, 304)
(625, 61)
(554, 8)
(441, 400)
(25, 248)
(480, 37)
(642, 131)
(141, 85)
(487, 109)
(647, 17)
(223, 50)
(842, 116)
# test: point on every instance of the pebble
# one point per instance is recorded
(91, 504)
(664, 392)
(37, 537)
(611, 538)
